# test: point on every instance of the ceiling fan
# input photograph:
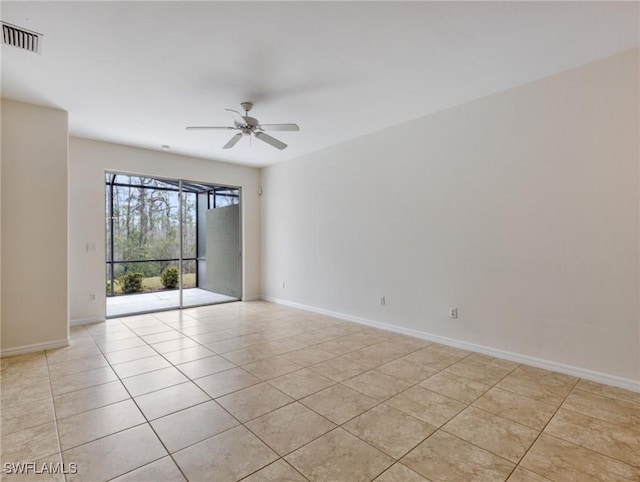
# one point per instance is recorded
(250, 125)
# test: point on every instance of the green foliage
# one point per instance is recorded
(131, 282)
(146, 224)
(108, 286)
(169, 277)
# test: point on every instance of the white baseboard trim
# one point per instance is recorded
(604, 378)
(85, 321)
(21, 350)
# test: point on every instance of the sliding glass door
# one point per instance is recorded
(217, 247)
(168, 245)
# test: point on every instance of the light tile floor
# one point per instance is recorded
(260, 392)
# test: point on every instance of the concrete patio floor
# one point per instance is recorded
(162, 300)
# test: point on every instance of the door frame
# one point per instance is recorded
(180, 182)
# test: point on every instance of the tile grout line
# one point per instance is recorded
(542, 431)
(269, 465)
(575, 387)
(55, 416)
(147, 422)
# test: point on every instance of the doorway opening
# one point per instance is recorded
(170, 244)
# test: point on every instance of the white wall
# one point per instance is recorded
(521, 209)
(88, 161)
(34, 227)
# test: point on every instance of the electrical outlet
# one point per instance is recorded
(383, 301)
(453, 312)
(92, 296)
(283, 283)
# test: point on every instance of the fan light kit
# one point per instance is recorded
(248, 126)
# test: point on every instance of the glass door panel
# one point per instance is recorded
(143, 245)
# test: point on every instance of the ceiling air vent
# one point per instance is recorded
(21, 37)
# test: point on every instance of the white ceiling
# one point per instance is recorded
(137, 73)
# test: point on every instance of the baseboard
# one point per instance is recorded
(591, 375)
(85, 321)
(21, 350)
(252, 298)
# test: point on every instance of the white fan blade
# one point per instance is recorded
(208, 128)
(237, 117)
(279, 127)
(271, 140)
(233, 141)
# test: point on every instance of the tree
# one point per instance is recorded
(146, 226)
